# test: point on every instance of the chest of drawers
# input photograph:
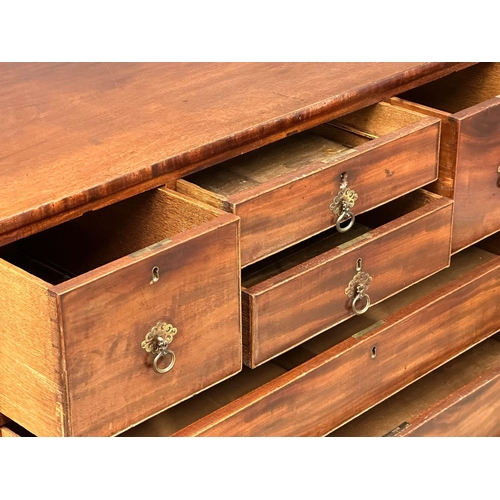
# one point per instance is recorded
(194, 217)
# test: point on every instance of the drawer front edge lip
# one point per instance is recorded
(123, 262)
(439, 203)
(65, 409)
(295, 374)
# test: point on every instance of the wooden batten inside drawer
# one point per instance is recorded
(300, 292)
(468, 104)
(461, 398)
(82, 296)
(341, 373)
(283, 191)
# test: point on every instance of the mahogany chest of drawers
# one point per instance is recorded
(248, 249)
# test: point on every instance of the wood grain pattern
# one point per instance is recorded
(458, 399)
(470, 155)
(283, 192)
(33, 370)
(344, 381)
(471, 411)
(104, 313)
(6, 432)
(300, 302)
(118, 126)
(111, 383)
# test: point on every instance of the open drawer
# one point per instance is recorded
(86, 306)
(304, 290)
(468, 104)
(460, 399)
(284, 192)
(321, 385)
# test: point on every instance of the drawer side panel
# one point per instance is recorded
(32, 381)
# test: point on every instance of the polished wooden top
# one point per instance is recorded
(73, 134)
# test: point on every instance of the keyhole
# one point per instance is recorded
(374, 352)
(156, 274)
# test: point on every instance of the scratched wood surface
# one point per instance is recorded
(89, 134)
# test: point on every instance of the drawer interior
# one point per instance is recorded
(317, 245)
(102, 236)
(318, 146)
(460, 90)
(426, 392)
(178, 417)
(12, 429)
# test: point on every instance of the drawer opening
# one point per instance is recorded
(254, 380)
(318, 146)
(460, 90)
(102, 236)
(13, 429)
(397, 413)
(330, 239)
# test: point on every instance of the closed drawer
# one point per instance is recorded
(283, 191)
(343, 372)
(82, 297)
(302, 291)
(460, 399)
(468, 104)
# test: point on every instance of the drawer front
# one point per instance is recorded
(287, 309)
(347, 379)
(282, 211)
(474, 410)
(111, 381)
(468, 104)
(461, 398)
(135, 266)
(477, 183)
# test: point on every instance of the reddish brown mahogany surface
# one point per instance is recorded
(461, 398)
(347, 379)
(86, 373)
(85, 135)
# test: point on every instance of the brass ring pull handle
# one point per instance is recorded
(342, 204)
(161, 355)
(157, 341)
(358, 298)
(346, 215)
(358, 288)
